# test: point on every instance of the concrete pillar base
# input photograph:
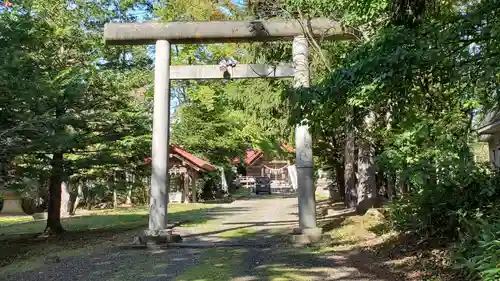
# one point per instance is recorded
(155, 238)
(308, 236)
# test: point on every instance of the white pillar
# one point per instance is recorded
(303, 142)
(161, 121)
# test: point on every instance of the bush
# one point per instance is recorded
(211, 187)
(478, 250)
(460, 209)
(435, 210)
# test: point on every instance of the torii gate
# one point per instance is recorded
(165, 34)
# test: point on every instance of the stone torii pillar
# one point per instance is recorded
(158, 202)
(303, 150)
(164, 34)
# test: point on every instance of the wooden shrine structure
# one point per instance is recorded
(276, 168)
(185, 170)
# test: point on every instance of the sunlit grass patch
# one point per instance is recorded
(355, 230)
(278, 272)
(96, 230)
(119, 218)
(8, 220)
(217, 265)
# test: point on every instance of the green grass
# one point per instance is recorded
(8, 220)
(93, 231)
(321, 197)
(217, 265)
(120, 218)
(278, 272)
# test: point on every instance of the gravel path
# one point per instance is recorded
(254, 215)
(265, 219)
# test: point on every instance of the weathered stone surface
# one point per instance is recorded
(303, 140)
(325, 186)
(11, 203)
(175, 197)
(193, 72)
(223, 31)
(162, 236)
(309, 236)
(158, 201)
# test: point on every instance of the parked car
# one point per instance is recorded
(262, 185)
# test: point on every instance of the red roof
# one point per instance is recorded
(253, 155)
(198, 162)
(193, 159)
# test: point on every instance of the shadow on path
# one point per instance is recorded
(24, 246)
(260, 251)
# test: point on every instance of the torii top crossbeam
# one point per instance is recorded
(223, 31)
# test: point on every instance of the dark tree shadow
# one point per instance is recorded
(265, 253)
(16, 247)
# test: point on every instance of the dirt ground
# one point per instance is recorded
(249, 240)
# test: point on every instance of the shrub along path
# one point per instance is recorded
(264, 222)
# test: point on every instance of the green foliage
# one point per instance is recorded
(219, 120)
(461, 206)
(210, 186)
(425, 70)
(436, 210)
(215, 133)
(63, 91)
(479, 251)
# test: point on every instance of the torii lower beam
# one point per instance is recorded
(240, 71)
(164, 34)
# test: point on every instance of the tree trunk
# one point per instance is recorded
(77, 198)
(405, 190)
(401, 185)
(340, 179)
(3, 173)
(381, 188)
(351, 198)
(330, 181)
(130, 181)
(54, 211)
(66, 205)
(391, 182)
(145, 192)
(380, 179)
(367, 182)
(115, 199)
(128, 200)
(112, 181)
(88, 196)
(185, 188)
(194, 192)
(367, 185)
